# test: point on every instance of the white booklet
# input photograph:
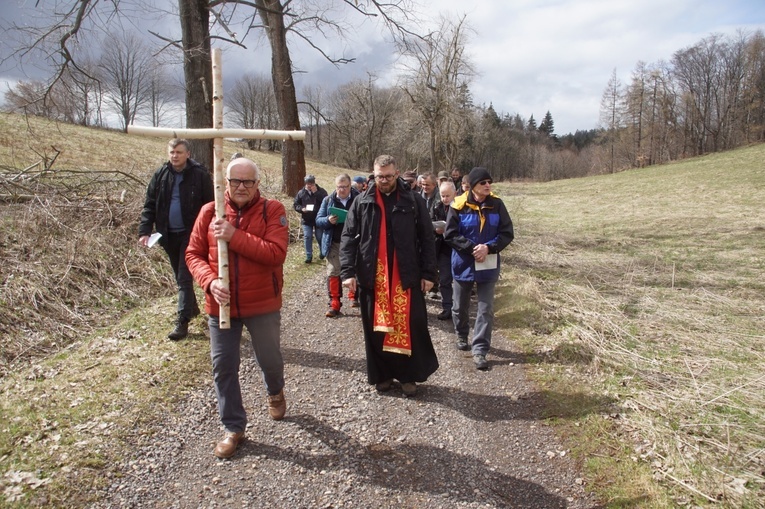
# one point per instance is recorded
(489, 263)
(153, 239)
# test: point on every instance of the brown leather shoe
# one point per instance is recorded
(409, 389)
(277, 406)
(227, 446)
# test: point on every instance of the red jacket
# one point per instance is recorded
(256, 255)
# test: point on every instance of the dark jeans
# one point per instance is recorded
(175, 246)
(445, 279)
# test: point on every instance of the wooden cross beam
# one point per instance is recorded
(217, 133)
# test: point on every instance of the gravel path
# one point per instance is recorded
(469, 439)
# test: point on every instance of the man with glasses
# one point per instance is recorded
(388, 255)
(331, 218)
(257, 235)
(174, 197)
(478, 227)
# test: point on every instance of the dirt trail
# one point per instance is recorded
(469, 439)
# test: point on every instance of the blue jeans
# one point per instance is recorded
(175, 245)
(484, 320)
(225, 354)
(309, 232)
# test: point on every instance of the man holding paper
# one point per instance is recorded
(331, 218)
(478, 227)
(174, 196)
(307, 203)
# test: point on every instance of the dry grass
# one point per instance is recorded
(642, 290)
(650, 287)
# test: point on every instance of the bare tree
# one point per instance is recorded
(126, 72)
(253, 106)
(611, 114)
(437, 73)
(363, 117)
(160, 93)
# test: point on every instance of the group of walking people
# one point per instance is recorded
(384, 242)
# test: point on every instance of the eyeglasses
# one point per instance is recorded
(385, 177)
(235, 183)
(484, 182)
(342, 187)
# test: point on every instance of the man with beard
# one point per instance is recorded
(388, 246)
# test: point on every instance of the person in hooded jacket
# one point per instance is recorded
(478, 227)
(257, 235)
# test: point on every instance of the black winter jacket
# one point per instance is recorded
(196, 190)
(411, 230)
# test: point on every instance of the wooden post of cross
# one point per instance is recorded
(217, 133)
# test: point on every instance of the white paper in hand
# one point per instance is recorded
(153, 239)
(489, 263)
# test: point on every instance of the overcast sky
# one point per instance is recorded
(532, 56)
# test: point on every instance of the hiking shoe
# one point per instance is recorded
(277, 406)
(332, 313)
(181, 330)
(410, 389)
(308, 260)
(228, 444)
(384, 386)
(480, 362)
(462, 344)
(444, 315)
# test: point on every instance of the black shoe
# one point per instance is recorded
(181, 330)
(409, 389)
(355, 304)
(444, 315)
(480, 362)
(308, 260)
(321, 257)
(384, 386)
(462, 344)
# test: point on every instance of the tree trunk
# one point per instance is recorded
(197, 71)
(293, 152)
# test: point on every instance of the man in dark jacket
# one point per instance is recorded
(444, 250)
(478, 227)
(307, 202)
(388, 246)
(174, 197)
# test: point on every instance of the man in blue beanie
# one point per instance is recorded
(478, 227)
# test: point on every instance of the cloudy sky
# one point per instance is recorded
(531, 56)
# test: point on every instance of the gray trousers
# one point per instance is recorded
(484, 320)
(226, 355)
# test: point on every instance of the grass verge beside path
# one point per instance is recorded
(69, 417)
(646, 287)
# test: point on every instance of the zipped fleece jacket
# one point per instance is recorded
(411, 230)
(470, 223)
(196, 190)
(256, 255)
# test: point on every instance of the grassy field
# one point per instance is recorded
(645, 288)
(638, 298)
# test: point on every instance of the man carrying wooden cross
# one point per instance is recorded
(257, 235)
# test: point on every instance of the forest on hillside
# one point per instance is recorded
(708, 97)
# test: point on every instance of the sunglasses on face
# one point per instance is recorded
(484, 182)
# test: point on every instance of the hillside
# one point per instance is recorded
(636, 299)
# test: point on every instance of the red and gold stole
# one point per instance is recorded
(392, 302)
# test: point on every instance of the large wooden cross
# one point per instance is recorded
(217, 133)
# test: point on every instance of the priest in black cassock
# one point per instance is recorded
(388, 250)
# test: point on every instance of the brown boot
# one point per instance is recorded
(227, 446)
(277, 406)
